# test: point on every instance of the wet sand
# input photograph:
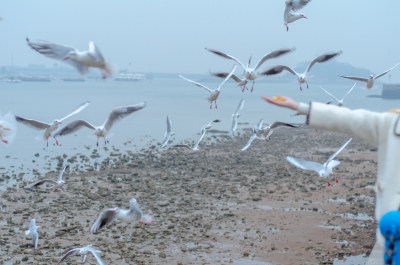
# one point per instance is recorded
(215, 206)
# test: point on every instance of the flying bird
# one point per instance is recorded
(8, 128)
(49, 127)
(214, 93)
(301, 78)
(204, 129)
(240, 81)
(236, 115)
(33, 232)
(250, 74)
(339, 102)
(264, 132)
(133, 214)
(370, 80)
(291, 14)
(84, 251)
(168, 133)
(81, 60)
(323, 170)
(55, 184)
(102, 130)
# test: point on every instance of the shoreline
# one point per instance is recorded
(214, 206)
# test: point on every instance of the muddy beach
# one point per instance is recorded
(214, 206)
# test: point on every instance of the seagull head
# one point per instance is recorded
(56, 122)
(146, 219)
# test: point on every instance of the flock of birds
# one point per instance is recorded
(93, 58)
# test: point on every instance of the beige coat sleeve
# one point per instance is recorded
(368, 125)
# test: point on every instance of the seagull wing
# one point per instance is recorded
(225, 74)
(226, 78)
(60, 177)
(120, 113)
(168, 133)
(197, 84)
(95, 52)
(351, 89)
(240, 106)
(376, 77)
(304, 164)
(69, 252)
(332, 96)
(104, 218)
(296, 4)
(278, 124)
(33, 123)
(73, 126)
(183, 145)
(79, 109)
(252, 137)
(260, 124)
(203, 133)
(272, 55)
(338, 151)
(234, 123)
(278, 69)
(51, 50)
(227, 56)
(44, 181)
(361, 79)
(322, 58)
(96, 254)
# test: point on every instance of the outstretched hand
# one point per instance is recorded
(282, 101)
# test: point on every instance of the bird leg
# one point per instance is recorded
(287, 28)
(216, 104)
(328, 181)
(105, 142)
(56, 140)
(252, 87)
(5, 128)
(4, 141)
(211, 105)
(97, 142)
(337, 181)
(301, 88)
(47, 141)
(307, 84)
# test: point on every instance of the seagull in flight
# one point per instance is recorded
(133, 214)
(370, 80)
(236, 115)
(168, 133)
(81, 60)
(214, 93)
(84, 251)
(323, 170)
(49, 127)
(292, 6)
(250, 74)
(33, 232)
(55, 184)
(204, 129)
(8, 129)
(102, 130)
(339, 101)
(240, 82)
(301, 78)
(264, 132)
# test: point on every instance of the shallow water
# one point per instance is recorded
(351, 260)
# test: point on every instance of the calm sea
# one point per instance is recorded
(183, 102)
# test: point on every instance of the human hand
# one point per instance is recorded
(282, 101)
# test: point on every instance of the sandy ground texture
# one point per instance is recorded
(215, 206)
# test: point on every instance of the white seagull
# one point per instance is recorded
(55, 184)
(133, 214)
(370, 80)
(214, 93)
(240, 82)
(236, 115)
(301, 78)
(250, 74)
(323, 170)
(102, 130)
(339, 102)
(84, 251)
(290, 14)
(264, 132)
(204, 129)
(168, 133)
(49, 127)
(8, 128)
(81, 60)
(33, 232)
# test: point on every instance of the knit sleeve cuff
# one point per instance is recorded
(304, 109)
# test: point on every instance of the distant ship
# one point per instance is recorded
(391, 91)
(30, 78)
(129, 77)
(73, 79)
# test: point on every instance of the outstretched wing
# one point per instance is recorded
(304, 164)
(197, 84)
(384, 73)
(338, 151)
(168, 132)
(332, 96)
(73, 126)
(227, 56)
(203, 133)
(51, 50)
(239, 107)
(95, 52)
(79, 109)
(278, 124)
(296, 4)
(60, 177)
(41, 182)
(351, 89)
(272, 55)
(225, 74)
(69, 252)
(252, 137)
(120, 113)
(322, 58)
(278, 69)
(226, 78)
(32, 123)
(361, 79)
(104, 218)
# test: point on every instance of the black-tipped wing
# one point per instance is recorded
(322, 58)
(74, 126)
(272, 55)
(104, 218)
(52, 50)
(50, 181)
(69, 252)
(361, 79)
(195, 83)
(33, 123)
(278, 69)
(227, 56)
(278, 124)
(225, 74)
(120, 113)
(296, 4)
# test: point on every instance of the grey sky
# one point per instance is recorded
(170, 35)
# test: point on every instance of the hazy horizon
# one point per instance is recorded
(170, 36)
